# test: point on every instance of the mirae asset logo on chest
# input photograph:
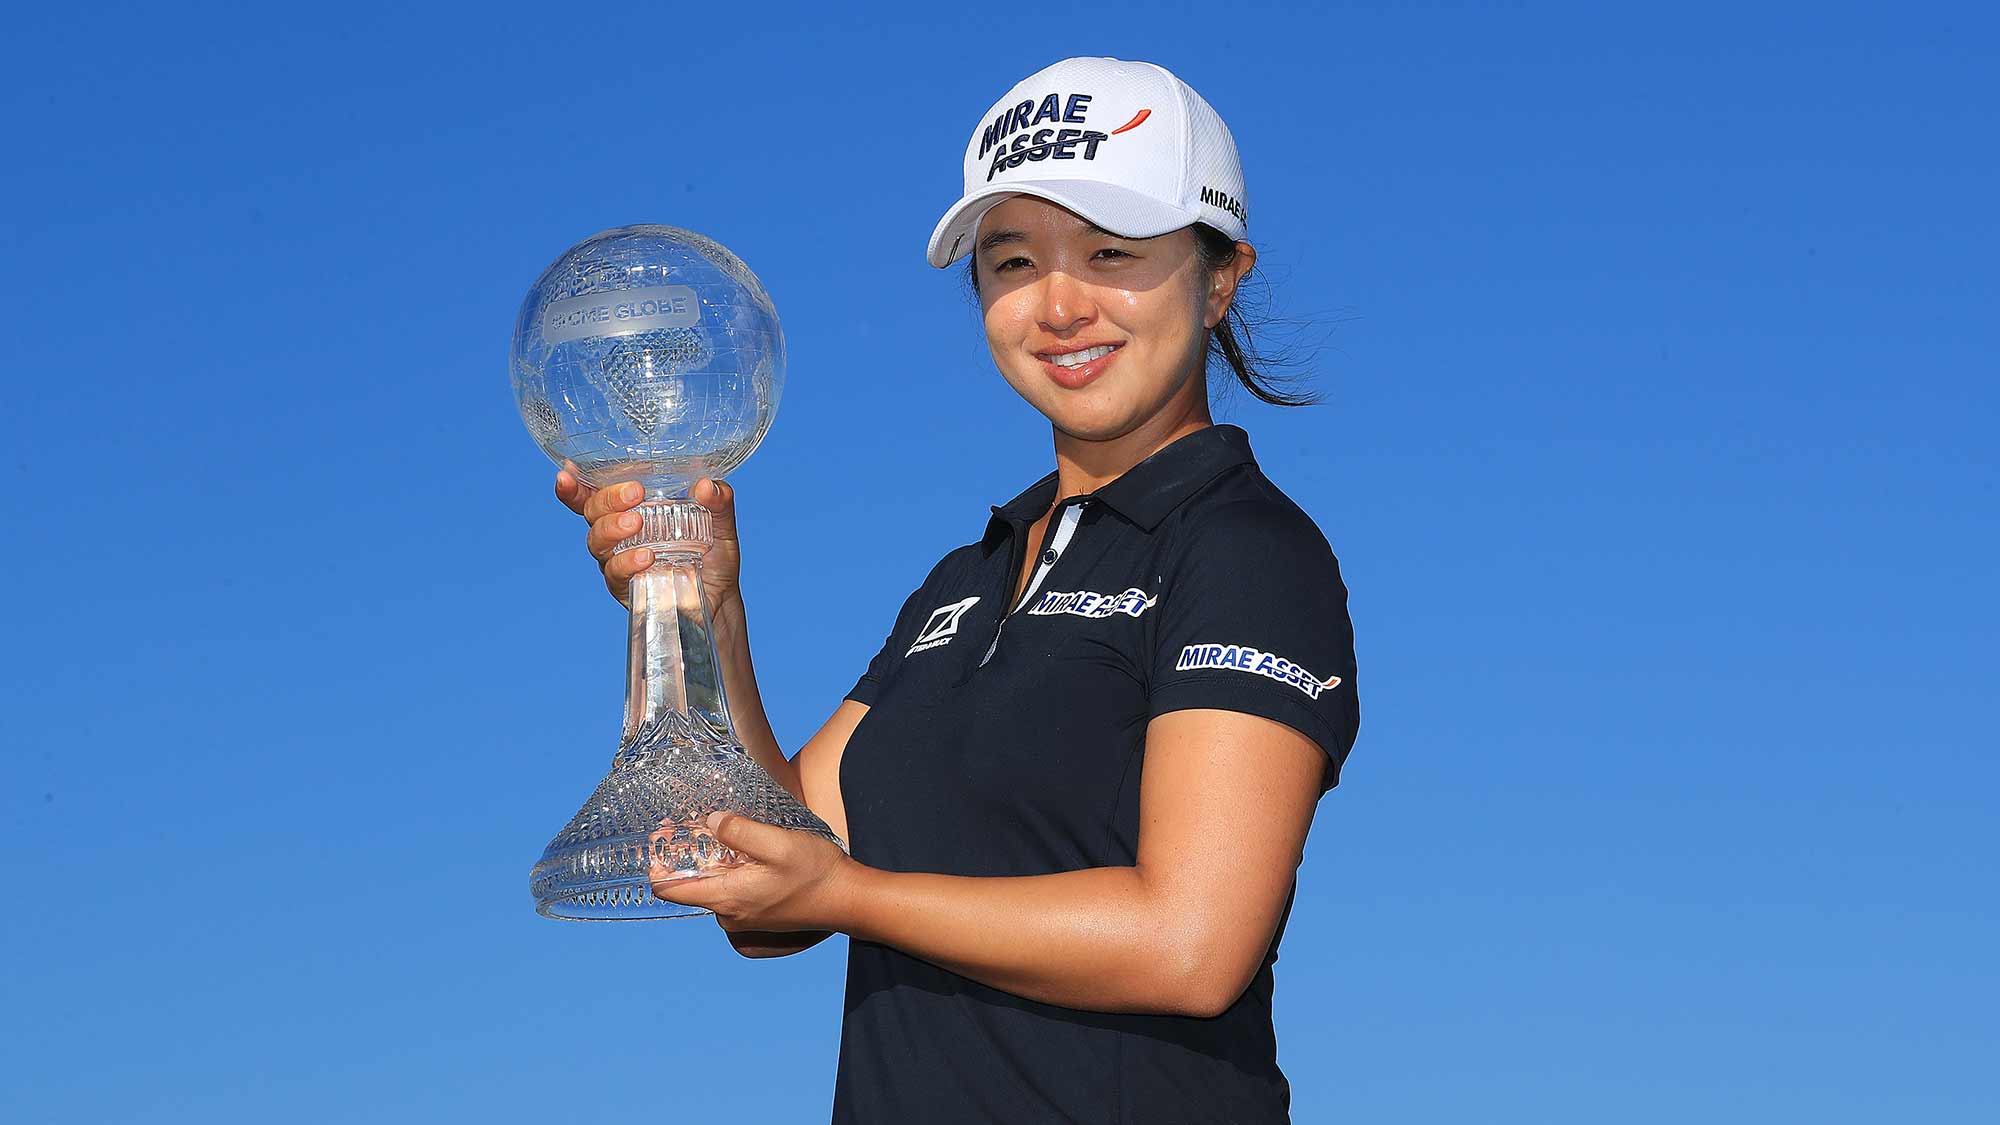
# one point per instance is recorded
(1083, 603)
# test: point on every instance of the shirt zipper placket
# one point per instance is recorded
(1053, 546)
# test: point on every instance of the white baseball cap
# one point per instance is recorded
(1124, 144)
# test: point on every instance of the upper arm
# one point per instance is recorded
(1253, 707)
(1225, 802)
(818, 763)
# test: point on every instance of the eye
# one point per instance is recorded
(1111, 253)
(1011, 263)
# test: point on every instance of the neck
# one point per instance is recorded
(1083, 465)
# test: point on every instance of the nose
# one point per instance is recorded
(1065, 305)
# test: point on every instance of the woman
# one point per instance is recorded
(1078, 777)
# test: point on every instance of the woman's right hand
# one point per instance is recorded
(609, 513)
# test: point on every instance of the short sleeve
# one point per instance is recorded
(1254, 619)
(889, 657)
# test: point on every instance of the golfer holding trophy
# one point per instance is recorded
(1061, 811)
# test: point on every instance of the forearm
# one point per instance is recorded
(1100, 939)
(746, 706)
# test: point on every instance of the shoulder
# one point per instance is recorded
(1253, 614)
(956, 563)
(1242, 519)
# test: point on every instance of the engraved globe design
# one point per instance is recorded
(648, 353)
(653, 354)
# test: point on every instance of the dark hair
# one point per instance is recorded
(1230, 340)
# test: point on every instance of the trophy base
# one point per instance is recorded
(647, 824)
(623, 902)
(625, 897)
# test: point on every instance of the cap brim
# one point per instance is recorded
(1120, 210)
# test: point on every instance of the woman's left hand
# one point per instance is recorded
(789, 880)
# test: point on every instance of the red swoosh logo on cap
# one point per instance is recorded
(1134, 123)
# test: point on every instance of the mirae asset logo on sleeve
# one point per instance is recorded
(1244, 658)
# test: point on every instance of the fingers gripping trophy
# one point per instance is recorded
(652, 354)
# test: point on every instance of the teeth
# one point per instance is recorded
(1078, 359)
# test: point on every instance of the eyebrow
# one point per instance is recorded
(1001, 238)
(1006, 235)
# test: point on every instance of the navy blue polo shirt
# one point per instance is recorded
(1007, 737)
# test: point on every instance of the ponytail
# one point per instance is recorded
(1230, 340)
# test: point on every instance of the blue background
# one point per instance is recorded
(1658, 450)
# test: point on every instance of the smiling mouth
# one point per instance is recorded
(1078, 359)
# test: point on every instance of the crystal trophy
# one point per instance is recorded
(652, 354)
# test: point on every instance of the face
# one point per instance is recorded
(1101, 334)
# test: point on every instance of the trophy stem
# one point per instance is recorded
(673, 680)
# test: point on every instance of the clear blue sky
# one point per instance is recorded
(1659, 452)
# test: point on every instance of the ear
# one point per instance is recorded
(1223, 283)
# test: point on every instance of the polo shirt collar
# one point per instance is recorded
(1149, 490)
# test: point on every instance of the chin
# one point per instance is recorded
(1103, 411)
(1093, 422)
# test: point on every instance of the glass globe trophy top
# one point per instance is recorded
(652, 354)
